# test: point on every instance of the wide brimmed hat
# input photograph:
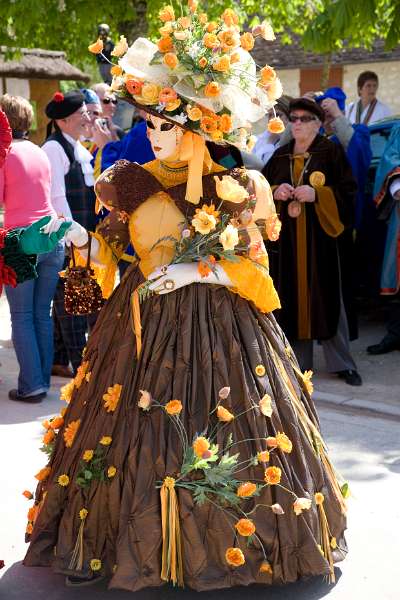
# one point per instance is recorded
(200, 74)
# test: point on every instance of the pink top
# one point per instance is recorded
(25, 185)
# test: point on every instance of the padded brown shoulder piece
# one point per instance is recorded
(125, 186)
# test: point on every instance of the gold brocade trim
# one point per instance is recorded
(327, 212)
(172, 563)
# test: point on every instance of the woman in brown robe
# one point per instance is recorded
(201, 364)
(314, 191)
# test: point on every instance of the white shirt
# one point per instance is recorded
(60, 166)
(380, 112)
(395, 186)
(265, 146)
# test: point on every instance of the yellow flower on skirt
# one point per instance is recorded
(95, 564)
(111, 398)
(63, 480)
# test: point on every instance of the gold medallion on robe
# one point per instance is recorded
(317, 179)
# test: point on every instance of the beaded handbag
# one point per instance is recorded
(82, 293)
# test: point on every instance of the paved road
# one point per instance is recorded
(365, 449)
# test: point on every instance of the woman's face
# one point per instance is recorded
(165, 137)
(304, 124)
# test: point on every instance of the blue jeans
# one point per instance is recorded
(32, 325)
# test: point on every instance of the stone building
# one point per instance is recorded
(36, 75)
(301, 71)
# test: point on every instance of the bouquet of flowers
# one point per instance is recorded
(213, 235)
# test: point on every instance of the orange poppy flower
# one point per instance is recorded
(208, 124)
(96, 47)
(165, 44)
(275, 125)
(225, 123)
(247, 41)
(166, 14)
(200, 445)
(245, 527)
(272, 475)
(133, 86)
(167, 94)
(283, 442)
(173, 407)
(234, 557)
(211, 41)
(171, 60)
(245, 490)
(223, 414)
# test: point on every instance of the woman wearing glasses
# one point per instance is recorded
(109, 106)
(314, 191)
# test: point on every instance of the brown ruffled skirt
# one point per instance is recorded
(196, 341)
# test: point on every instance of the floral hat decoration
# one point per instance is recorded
(199, 74)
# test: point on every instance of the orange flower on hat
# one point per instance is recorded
(203, 19)
(245, 490)
(97, 47)
(43, 474)
(209, 209)
(166, 29)
(200, 445)
(120, 47)
(245, 527)
(211, 41)
(133, 86)
(48, 437)
(235, 57)
(230, 17)
(111, 398)
(229, 39)
(223, 414)
(166, 14)
(247, 41)
(223, 64)
(211, 26)
(272, 475)
(274, 90)
(165, 44)
(194, 113)
(193, 4)
(212, 90)
(116, 71)
(234, 557)
(283, 442)
(225, 123)
(70, 432)
(171, 60)
(203, 62)
(173, 407)
(167, 94)
(173, 105)
(267, 75)
(185, 22)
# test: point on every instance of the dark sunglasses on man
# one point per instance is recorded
(302, 119)
(108, 100)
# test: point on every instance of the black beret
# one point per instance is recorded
(64, 105)
(308, 105)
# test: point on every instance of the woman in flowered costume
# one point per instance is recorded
(190, 450)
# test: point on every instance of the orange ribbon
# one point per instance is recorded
(193, 150)
(172, 564)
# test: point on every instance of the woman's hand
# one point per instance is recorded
(304, 193)
(172, 277)
(101, 134)
(284, 192)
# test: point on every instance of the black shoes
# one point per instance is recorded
(13, 395)
(71, 581)
(384, 347)
(350, 377)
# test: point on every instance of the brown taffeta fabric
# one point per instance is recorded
(195, 341)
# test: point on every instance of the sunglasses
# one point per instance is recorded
(108, 100)
(302, 119)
